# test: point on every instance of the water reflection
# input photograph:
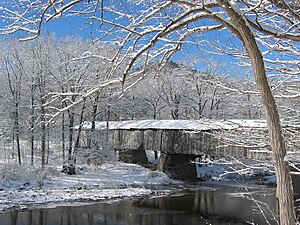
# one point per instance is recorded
(219, 206)
(206, 206)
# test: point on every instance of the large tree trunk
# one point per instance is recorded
(43, 137)
(18, 142)
(63, 133)
(284, 184)
(71, 114)
(93, 127)
(71, 133)
(77, 142)
(32, 125)
(17, 132)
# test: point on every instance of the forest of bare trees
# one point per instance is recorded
(41, 78)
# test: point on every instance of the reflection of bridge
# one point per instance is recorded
(178, 141)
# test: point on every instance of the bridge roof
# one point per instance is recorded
(189, 125)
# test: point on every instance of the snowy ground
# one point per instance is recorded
(21, 187)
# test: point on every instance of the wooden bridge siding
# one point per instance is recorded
(122, 139)
(171, 142)
(153, 140)
(167, 141)
(235, 151)
(194, 143)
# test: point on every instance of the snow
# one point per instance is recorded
(151, 156)
(193, 125)
(224, 169)
(212, 172)
(20, 188)
(259, 123)
(250, 123)
(187, 125)
(24, 186)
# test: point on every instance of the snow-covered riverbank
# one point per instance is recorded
(20, 188)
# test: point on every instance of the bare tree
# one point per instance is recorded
(15, 74)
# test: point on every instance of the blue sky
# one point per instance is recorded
(77, 26)
(67, 26)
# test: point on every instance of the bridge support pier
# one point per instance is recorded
(178, 166)
(133, 156)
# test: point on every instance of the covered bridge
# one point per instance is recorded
(178, 141)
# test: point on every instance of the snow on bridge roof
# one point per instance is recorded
(188, 125)
(191, 125)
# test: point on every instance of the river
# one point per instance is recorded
(186, 205)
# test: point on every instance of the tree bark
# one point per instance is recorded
(32, 124)
(17, 131)
(43, 138)
(93, 127)
(279, 153)
(77, 142)
(18, 142)
(71, 133)
(71, 114)
(63, 131)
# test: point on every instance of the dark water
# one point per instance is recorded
(185, 206)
